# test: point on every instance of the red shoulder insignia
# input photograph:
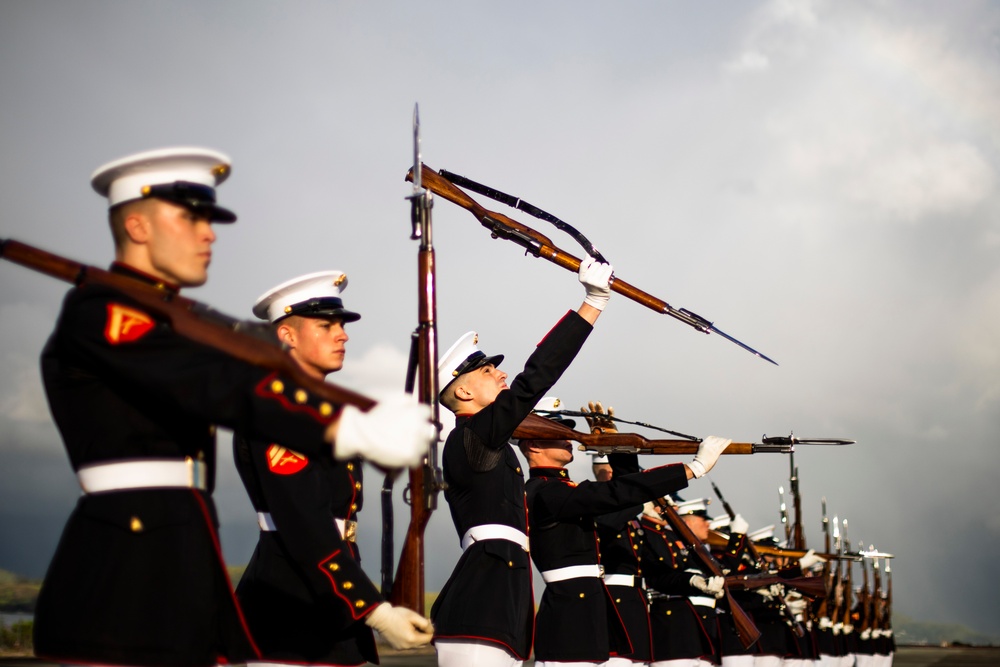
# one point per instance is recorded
(125, 324)
(282, 461)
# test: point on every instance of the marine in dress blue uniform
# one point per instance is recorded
(578, 620)
(138, 576)
(683, 610)
(484, 614)
(620, 537)
(304, 594)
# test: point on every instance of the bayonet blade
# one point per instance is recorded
(417, 180)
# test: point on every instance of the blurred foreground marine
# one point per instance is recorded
(484, 614)
(138, 577)
(304, 594)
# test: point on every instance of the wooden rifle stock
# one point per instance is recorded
(538, 244)
(811, 587)
(717, 539)
(745, 628)
(535, 427)
(188, 318)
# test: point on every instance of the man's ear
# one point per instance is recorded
(463, 394)
(286, 334)
(137, 226)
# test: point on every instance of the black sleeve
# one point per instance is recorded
(495, 424)
(596, 498)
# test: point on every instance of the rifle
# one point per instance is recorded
(846, 618)
(535, 427)
(745, 628)
(191, 319)
(425, 480)
(822, 610)
(876, 605)
(887, 615)
(537, 244)
(862, 616)
(804, 585)
(810, 587)
(798, 537)
(717, 539)
(783, 508)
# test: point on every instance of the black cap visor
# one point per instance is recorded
(329, 307)
(195, 197)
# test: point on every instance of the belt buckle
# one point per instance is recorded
(350, 531)
(600, 570)
(196, 474)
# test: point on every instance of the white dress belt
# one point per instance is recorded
(348, 529)
(619, 580)
(702, 600)
(143, 474)
(265, 522)
(573, 572)
(494, 531)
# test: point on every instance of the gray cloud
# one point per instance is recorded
(820, 178)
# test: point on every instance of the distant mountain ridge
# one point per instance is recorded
(18, 593)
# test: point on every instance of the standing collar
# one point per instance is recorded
(132, 272)
(558, 473)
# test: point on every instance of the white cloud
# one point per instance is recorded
(748, 61)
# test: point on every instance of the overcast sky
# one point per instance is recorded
(818, 178)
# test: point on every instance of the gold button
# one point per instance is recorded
(325, 409)
(288, 309)
(519, 470)
(136, 525)
(618, 600)
(631, 534)
(301, 396)
(619, 536)
(350, 467)
(668, 612)
(354, 507)
(510, 563)
(334, 567)
(277, 386)
(634, 547)
(347, 585)
(359, 604)
(357, 485)
(582, 595)
(146, 190)
(661, 557)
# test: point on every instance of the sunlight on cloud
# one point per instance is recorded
(381, 369)
(910, 182)
(748, 61)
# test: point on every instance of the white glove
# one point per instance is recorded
(596, 278)
(738, 526)
(708, 453)
(400, 627)
(395, 433)
(810, 559)
(796, 604)
(714, 586)
(770, 592)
